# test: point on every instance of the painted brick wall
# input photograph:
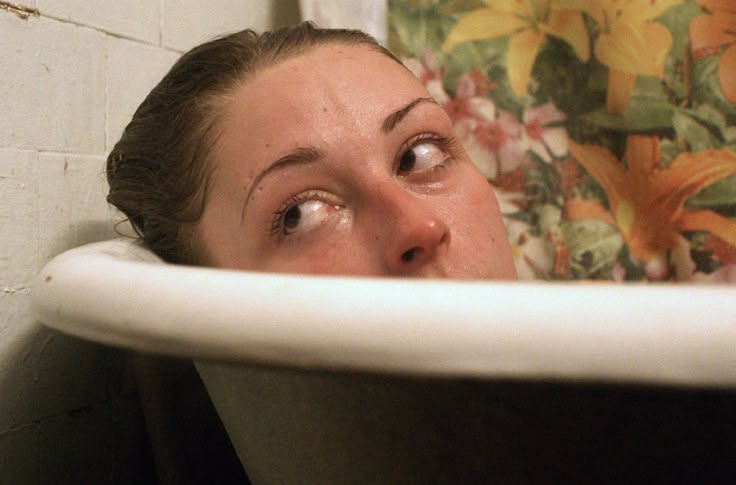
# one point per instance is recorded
(70, 78)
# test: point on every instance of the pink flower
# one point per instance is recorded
(545, 140)
(429, 74)
(494, 140)
(496, 146)
(425, 68)
(467, 102)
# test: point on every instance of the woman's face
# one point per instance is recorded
(338, 162)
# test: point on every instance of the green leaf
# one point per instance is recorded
(572, 85)
(642, 115)
(416, 26)
(593, 246)
(647, 88)
(696, 135)
(707, 89)
(719, 194)
(677, 20)
(708, 114)
(730, 135)
(548, 216)
(668, 151)
(470, 55)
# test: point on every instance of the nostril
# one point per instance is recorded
(408, 255)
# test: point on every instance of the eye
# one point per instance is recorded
(301, 214)
(424, 154)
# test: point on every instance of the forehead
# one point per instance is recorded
(316, 97)
(347, 75)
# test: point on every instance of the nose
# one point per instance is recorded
(413, 234)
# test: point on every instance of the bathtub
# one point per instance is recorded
(358, 380)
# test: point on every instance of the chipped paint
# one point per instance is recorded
(19, 10)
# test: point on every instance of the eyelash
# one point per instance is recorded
(444, 142)
(278, 216)
(276, 227)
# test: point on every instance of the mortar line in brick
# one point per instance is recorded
(161, 23)
(20, 10)
(10, 290)
(96, 29)
(101, 154)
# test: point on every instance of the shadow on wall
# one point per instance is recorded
(70, 411)
(81, 416)
(86, 232)
(73, 409)
(284, 12)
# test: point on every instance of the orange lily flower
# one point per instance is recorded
(526, 22)
(647, 200)
(709, 33)
(630, 43)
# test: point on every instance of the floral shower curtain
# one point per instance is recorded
(607, 127)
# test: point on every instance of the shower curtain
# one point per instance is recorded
(607, 127)
(366, 15)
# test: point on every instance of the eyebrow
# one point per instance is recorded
(307, 155)
(395, 118)
(300, 156)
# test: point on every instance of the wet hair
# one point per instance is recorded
(158, 171)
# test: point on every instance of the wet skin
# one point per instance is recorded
(337, 161)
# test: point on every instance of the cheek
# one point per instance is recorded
(486, 236)
(477, 207)
(338, 255)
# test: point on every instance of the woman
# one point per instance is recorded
(316, 151)
(304, 150)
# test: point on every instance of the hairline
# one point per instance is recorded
(218, 105)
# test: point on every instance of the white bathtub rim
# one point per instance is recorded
(671, 335)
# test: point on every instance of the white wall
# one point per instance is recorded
(70, 79)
